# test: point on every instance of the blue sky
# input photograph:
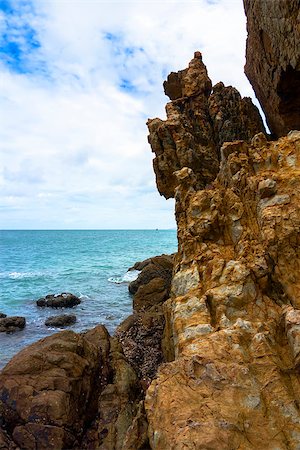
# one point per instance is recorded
(78, 80)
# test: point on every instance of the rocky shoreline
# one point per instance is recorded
(209, 359)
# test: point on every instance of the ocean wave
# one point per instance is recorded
(128, 277)
(17, 275)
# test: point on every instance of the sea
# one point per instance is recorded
(92, 264)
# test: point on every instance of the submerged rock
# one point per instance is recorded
(60, 321)
(64, 300)
(12, 324)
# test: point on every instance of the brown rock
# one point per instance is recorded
(12, 324)
(64, 300)
(48, 391)
(60, 321)
(234, 312)
(273, 61)
(156, 267)
(198, 122)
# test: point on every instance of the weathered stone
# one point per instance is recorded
(48, 391)
(11, 324)
(156, 267)
(64, 300)
(60, 321)
(273, 61)
(198, 122)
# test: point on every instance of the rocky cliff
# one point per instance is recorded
(273, 60)
(233, 319)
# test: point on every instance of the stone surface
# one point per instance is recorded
(233, 320)
(273, 60)
(2, 315)
(60, 321)
(64, 300)
(199, 119)
(48, 391)
(11, 324)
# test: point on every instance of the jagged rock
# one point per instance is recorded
(234, 312)
(11, 324)
(48, 391)
(156, 267)
(64, 300)
(198, 122)
(273, 60)
(60, 321)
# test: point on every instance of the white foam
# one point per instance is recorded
(128, 277)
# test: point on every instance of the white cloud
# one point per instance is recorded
(74, 149)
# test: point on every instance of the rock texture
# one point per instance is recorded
(199, 119)
(60, 321)
(11, 324)
(234, 312)
(64, 300)
(273, 60)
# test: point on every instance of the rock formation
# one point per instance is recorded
(199, 119)
(60, 321)
(64, 300)
(273, 60)
(11, 324)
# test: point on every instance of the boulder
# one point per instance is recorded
(49, 391)
(2, 315)
(64, 300)
(156, 267)
(11, 324)
(60, 321)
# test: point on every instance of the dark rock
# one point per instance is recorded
(11, 324)
(49, 391)
(64, 300)
(150, 294)
(2, 315)
(156, 267)
(273, 61)
(60, 321)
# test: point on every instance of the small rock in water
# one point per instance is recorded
(64, 300)
(2, 315)
(60, 321)
(11, 324)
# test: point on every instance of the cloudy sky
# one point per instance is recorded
(78, 80)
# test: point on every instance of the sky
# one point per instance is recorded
(78, 81)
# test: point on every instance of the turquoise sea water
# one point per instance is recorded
(91, 264)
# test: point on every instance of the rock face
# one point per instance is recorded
(234, 312)
(273, 60)
(64, 300)
(60, 321)
(199, 119)
(11, 324)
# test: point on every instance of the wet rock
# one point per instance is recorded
(273, 61)
(156, 267)
(64, 300)
(60, 321)
(12, 324)
(49, 391)
(2, 315)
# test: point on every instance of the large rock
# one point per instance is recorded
(156, 267)
(273, 60)
(60, 321)
(64, 300)
(199, 119)
(234, 312)
(49, 391)
(11, 324)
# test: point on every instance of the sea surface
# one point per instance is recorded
(92, 264)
